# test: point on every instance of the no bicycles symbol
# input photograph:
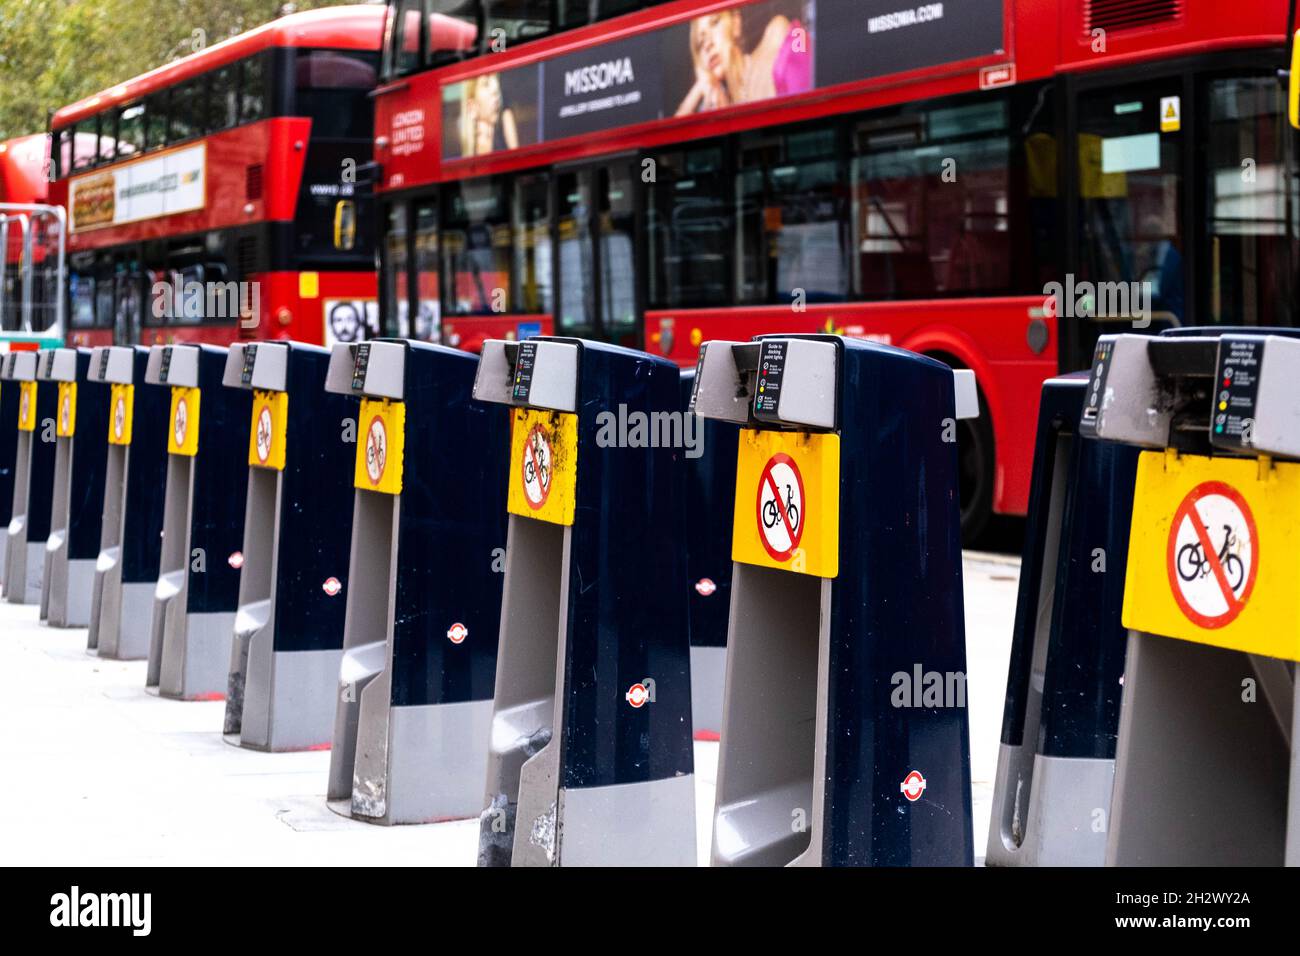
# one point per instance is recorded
(780, 506)
(376, 450)
(265, 432)
(1213, 554)
(537, 467)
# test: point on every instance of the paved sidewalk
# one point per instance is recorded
(99, 772)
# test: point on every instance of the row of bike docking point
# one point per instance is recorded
(514, 586)
(1152, 714)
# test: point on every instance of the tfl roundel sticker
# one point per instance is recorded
(1213, 554)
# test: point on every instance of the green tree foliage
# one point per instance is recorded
(55, 52)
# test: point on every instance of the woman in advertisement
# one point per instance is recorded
(485, 125)
(725, 75)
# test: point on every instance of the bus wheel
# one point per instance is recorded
(975, 460)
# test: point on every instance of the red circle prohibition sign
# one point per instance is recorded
(540, 466)
(376, 475)
(1204, 552)
(265, 434)
(793, 526)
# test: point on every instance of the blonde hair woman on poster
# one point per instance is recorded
(725, 75)
(485, 126)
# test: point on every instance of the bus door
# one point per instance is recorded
(128, 298)
(1130, 245)
(597, 209)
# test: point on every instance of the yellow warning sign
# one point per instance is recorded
(121, 405)
(27, 406)
(66, 426)
(1171, 114)
(543, 465)
(787, 508)
(267, 433)
(380, 446)
(183, 436)
(1214, 552)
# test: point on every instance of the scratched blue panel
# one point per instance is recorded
(89, 464)
(896, 603)
(627, 605)
(220, 485)
(710, 493)
(8, 448)
(146, 476)
(452, 521)
(40, 486)
(315, 528)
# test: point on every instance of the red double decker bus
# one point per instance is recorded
(30, 232)
(991, 182)
(223, 195)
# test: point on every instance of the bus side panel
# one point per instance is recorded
(469, 332)
(989, 336)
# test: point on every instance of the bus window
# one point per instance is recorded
(186, 111)
(576, 13)
(223, 98)
(476, 248)
(130, 130)
(331, 88)
(404, 54)
(252, 89)
(107, 137)
(395, 272)
(81, 290)
(531, 269)
(576, 308)
(84, 144)
(452, 32)
(516, 21)
(61, 153)
(617, 226)
(428, 315)
(1130, 204)
(691, 226)
(792, 214)
(128, 300)
(1250, 240)
(931, 197)
(155, 121)
(105, 301)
